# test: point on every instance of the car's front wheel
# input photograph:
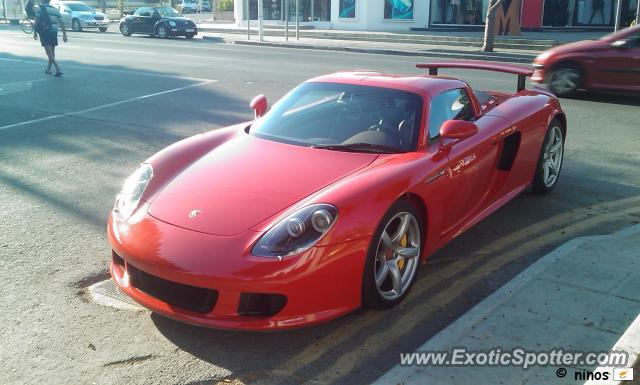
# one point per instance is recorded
(550, 161)
(103, 29)
(565, 80)
(125, 30)
(189, 36)
(393, 257)
(161, 32)
(75, 25)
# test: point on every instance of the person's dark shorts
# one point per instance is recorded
(49, 38)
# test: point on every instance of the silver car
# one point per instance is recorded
(79, 16)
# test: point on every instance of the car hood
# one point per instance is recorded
(580, 46)
(89, 13)
(247, 180)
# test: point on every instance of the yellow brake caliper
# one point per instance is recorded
(403, 243)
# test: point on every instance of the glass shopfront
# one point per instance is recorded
(309, 10)
(460, 12)
(586, 13)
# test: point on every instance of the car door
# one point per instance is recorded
(65, 12)
(143, 20)
(472, 161)
(619, 66)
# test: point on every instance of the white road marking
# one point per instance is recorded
(105, 105)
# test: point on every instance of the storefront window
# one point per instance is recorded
(470, 12)
(317, 10)
(398, 9)
(585, 13)
(321, 10)
(347, 9)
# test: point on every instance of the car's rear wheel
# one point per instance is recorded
(75, 25)
(189, 36)
(565, 80)
(550, 161)
(103, 29)
(161, 32)
(393, 257)
(125, 30)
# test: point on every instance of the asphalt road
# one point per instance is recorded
(67, 144)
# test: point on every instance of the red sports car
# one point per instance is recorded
(331, 199)
(609, 64)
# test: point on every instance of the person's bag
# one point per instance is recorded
(43, 23)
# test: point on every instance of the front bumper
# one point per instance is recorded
(94, 23)
(319, 284)
(182, 31)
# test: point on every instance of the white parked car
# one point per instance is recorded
(79, 16)
(189, 6)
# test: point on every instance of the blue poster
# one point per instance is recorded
(347, 9)
(398, 9)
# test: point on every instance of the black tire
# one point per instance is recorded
(102, 29)
(371, 294)
(125, 29)
(161, 31)
(189, 36)
(75, 25)
(565, 80)
(542, 181)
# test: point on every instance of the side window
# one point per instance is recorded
(449, 105)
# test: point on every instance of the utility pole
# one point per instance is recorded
(260, 34)
(248, 12)
(298, 19)
(638, 13)
(286, 20)
(618, 15)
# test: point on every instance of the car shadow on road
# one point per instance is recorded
(610, 98)
(361, 346)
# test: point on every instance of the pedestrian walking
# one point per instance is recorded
(48, 20)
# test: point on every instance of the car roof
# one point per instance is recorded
(424, 85)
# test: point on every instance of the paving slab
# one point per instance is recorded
(580, 297)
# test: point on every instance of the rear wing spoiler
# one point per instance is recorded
(522, 71)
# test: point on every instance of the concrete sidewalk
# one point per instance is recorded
(463, 45)
(584, 296)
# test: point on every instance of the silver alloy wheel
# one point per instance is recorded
(125, 29)
(564, 80)
(552, 156)
(162, 32)
(75, 25)
(397, 255)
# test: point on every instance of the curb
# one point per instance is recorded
(629, 342)
(385, 51)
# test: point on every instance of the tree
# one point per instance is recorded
(490, 25)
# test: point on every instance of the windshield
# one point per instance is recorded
(167, 12)
(331, 114)
(79, 7)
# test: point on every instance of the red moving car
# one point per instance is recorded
(609, 64)
(330, 200)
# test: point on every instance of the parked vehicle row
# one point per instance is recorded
(81, 16)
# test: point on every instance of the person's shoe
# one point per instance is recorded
(48, 72)
(58, 74)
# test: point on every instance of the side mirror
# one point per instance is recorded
(259, 105)
(622, 43)
(127, 13)
(456, 129)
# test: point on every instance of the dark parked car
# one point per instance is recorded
(162, 22)
(609, 64)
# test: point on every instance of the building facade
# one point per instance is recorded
(404, 15)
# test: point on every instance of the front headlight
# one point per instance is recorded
(129, 197)
(172, 23)
(297, 232)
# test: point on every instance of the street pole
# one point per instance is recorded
(618, 14)
(286, 20)
(260, 35)
(248, 20)
(298, 19)
(638, 13)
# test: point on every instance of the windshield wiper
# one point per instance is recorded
(361, 147)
